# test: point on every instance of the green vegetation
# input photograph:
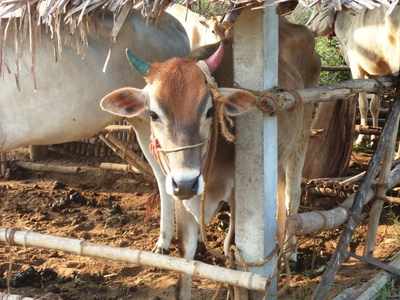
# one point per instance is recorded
(385, 293)
(329, 51)
(208, 8)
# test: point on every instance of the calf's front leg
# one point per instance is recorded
(187, 231)
(142, 129)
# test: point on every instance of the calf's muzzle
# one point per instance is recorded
(185, 188)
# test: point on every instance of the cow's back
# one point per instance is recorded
(297, 55)
(299, 67)
(370, 39)
(66, 105)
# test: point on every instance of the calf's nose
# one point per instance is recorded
(185, 188)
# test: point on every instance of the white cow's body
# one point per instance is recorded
(370, 41)
(200, 30)
(65, 106)
(371, 44)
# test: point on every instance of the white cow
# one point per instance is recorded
(370, 41)
(66, 105)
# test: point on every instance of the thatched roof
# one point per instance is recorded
(74, 10)
(74, 15)
(351, 4)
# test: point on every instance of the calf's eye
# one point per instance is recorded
(153, 116)
(210, 112)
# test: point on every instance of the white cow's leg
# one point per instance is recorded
(167, 221)
(358, 73)
(375, 106)
(187, 233)
(363, 107)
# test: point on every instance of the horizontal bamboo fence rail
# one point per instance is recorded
(5, 296)
(48, 167)
(280, 100)
(24, 238)
(335, 68)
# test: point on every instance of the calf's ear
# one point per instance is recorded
(125, 102)
(237, 101)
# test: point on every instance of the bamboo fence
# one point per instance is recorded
(246, 280)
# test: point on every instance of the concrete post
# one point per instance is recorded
(256, 67)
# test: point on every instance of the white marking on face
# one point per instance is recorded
(169, 187)
(205, 126)
(182, 175)
(178, 175)
(205, 122)
(154, 105)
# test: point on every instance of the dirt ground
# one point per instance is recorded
(113, 209)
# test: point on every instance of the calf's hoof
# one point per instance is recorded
(160, 250)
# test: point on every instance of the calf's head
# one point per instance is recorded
(178, 101)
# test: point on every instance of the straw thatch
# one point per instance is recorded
(351, 4)
(67, 18)
(70, 11)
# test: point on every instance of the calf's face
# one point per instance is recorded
(179, 104)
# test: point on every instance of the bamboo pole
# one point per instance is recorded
(381, 121)
(272, 100)
(395, 200)
(118, 167)
(44, 167)
(348, 294)
(84, 147)
(315, 221)
(368, 130)
(246, 280)
(335, 68)
(381, 190)
(341, 254)
(356, 178)
(127, 154)
(5, 296)
(353, 179)
(3, 164)
(97, 146)
(377, 263)
(370, 289)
